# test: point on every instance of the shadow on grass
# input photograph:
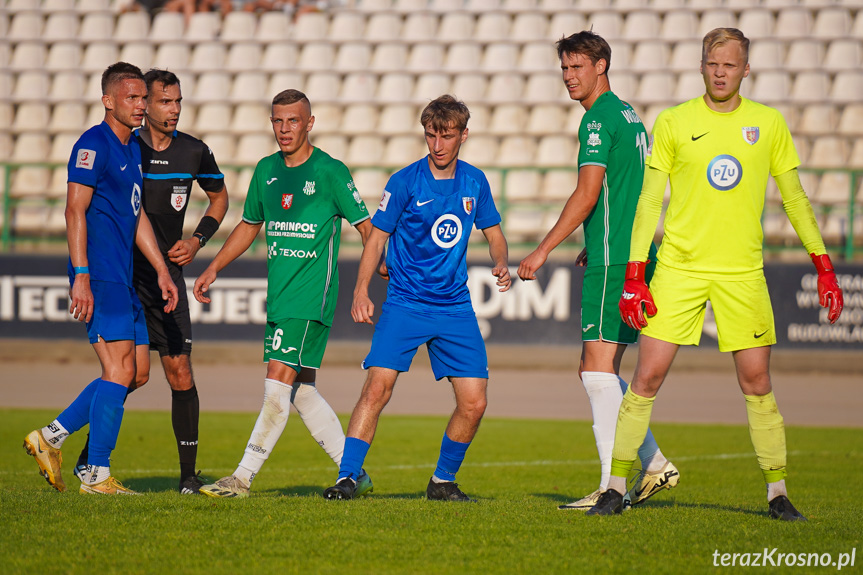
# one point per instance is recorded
(317, 490)
(152, 484)
(659, 504)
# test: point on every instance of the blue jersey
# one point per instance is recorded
(99, 160)
(430, 222)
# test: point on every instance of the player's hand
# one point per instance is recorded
(829, 292)
(530, 265)
(169, 291)
(504, 280)
(362, 309)
(581, 259)
(202, 284)
(81, 306)
(636, 293)
(184, 251)
(382, 269)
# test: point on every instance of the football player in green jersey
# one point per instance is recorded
(300, 194)
(610, 171)
(717, 150)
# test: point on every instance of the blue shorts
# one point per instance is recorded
(454, 342)
(117, 314)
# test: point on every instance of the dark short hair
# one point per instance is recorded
(287, 97)
(588, 44)
(444, 113)
(166, 78)
(119, 72)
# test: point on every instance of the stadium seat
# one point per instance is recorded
(167, 26)
(565, 23)
(328, 118)
(810, 87)
(57, 185)
(529, 27)
(828, 152)
(335, 145)
(855, 162)
(311, 26)
(281, 81)
(793, 23)
(522, 185)
(30, 181)
(500, 57)
(250, 87)
(139, 53)
(685, 56)
(241, 185)
(95, 112)
(384, 26)
(524, 224)
(403, 150)
(346, 26)
(6, 84)
(832, 22)
(844, 54)
(370, 184)
(98, 56)
(818, 119)
(61, 146)
(431, 85)
(212, 87)
(243, 56)
(316, 56)
(238, 26)
(504, 88)
(462, 56)
(621, 55)
(26, 26)
(31, 116)
(545, 88)
(359, 119)
(556, 5)
(626, 6)
(213, 116)
(518, 6)
(847, 87)
(252, 147)
(28, 56)
(656, 87)
(28, 220)
(689, 85)
(7, 114)
(469, 88)
(766, 55)
(390, 57)
(851, 122)
(359, 87)
(353, 56)
(834, 188)
(273, 26)
(130, 26)
(68, 117)
(446, 5)
(208, 56)
(573, 119)
(276, 54)
(64, 26)
(609, 25)
(642, 25)
(395, 88)
(250, 116)
(31, 147)
(492, 27)
(857, 28)
(482, 5)
(558, 185)
(455, 26)
(771, 87)
(557, 150)
(805, 55)
(679, 25)
(508, 119)
(650, 56)
(31, 86)
(420, 27)
(479, 150)
(649, 114)
(545, 118)
(516, 151)
(716, 18)
(58, 5)
(409, 6)
(757, 22)
(203, 27)
(64, 56)
(174, 55)
(538, 57)
(365, 150)
(399, 119)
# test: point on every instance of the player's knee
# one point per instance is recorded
(141, 378)
(474, 407)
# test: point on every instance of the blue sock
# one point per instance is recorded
(353, 457)
(451, 456)
(106, 415)
(77, 415)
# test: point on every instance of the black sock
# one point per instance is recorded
(82, 459)
(185, 409)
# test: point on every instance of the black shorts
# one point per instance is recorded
(170, 333)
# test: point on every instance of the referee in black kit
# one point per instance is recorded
(170, 161)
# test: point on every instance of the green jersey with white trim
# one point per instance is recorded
(301, 209)
(612, 136)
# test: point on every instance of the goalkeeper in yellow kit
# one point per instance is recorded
(717, 150)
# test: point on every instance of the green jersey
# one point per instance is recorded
(301, 209)
(612, 136)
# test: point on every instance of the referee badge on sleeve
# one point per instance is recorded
(85, 159)
(385, 199)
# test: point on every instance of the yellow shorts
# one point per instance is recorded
(744, 316)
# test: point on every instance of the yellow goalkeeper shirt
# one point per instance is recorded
(718, 165)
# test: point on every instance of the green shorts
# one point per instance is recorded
(298, 343)
(744, 316)
(600, 295)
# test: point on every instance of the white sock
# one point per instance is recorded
(651, 457)
(320, 420)
(605, 396)
(776, 489)
(55, 434)
(268, 429)
(96, 474)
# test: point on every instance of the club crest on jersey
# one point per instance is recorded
(309, 188)
(468, 204)
(287, 200)
(178, 198)
(750, 135)
(593, 139)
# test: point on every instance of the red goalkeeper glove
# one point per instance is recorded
(636, 293)
(829, 292)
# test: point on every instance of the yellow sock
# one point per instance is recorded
(767, 430)
(633, 419)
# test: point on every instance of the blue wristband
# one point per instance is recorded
(81, 270)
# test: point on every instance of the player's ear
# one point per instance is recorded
(746, 70)
(311, 124)
(601, 66)
(464, 135)
(107, 101)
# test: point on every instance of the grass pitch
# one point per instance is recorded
(520, 470)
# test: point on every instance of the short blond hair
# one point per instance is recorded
(721, 36)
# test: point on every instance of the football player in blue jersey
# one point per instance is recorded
(104, 221)
(426, 213)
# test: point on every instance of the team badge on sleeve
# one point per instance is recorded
(385, 199)
(750, 135)
(85, 159)
(287, 200)
(468, 203)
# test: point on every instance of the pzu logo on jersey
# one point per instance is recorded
(446, 231)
